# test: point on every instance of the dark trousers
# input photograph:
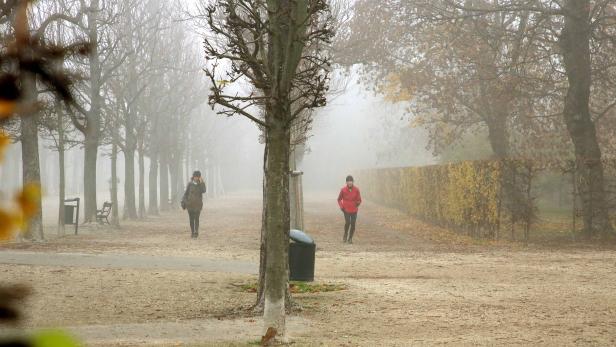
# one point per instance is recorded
(193, 216)
(349, 225)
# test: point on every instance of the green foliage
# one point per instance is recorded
(53, 338)
(299, 287)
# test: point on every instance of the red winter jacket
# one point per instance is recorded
(349, 200)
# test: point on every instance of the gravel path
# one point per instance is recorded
(409, 284)
(180, 333)
(127, 261)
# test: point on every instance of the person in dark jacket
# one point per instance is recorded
(192, 201)
(349, 200)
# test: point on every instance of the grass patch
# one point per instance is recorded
(298, 287)
(305, 287)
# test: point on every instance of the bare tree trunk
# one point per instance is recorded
(164, 183)
(155, 157)
(141, 184)
(61, 175)
(89, 177)
(262, 250)
(92, 131)
(153, 184)
(575, 44)
(130, 210)
(260, 302)
(498, 136)
(173, 175)
(61, 192)
(30, 147)
(277, 227)
(115, 211)
(30, 154)
(175, 170)
(31, 170)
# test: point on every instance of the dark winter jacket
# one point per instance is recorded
(349, 199)
(193, 197)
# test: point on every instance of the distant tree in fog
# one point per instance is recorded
(57, 128)
(97, 21)
(141, 27)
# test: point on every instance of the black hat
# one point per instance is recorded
(197, 173)
(349, 178)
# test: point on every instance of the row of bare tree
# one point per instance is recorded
(133, 90)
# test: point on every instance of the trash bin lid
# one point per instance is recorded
(300, 237)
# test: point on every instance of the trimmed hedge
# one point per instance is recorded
(479, 197)
(465, 195)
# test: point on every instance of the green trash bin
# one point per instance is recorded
(301, 256)
(69, 214)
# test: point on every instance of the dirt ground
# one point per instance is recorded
(408, 284)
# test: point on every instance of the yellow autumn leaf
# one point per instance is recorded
(29, 198)
(7, 108)
(8, 224)
(394, 91)
(223, 83)
(4, 143)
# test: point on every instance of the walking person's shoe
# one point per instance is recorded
(350, 238)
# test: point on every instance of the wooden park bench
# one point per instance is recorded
(102, 215)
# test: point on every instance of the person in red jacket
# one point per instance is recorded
(349, 200)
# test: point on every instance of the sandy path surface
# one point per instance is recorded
(408, 284)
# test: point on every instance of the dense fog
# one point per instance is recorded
(356, 130)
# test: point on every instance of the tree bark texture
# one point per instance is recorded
(93, 125)
(61, 174)
(164, 183)
(115, 211)
(153, 185)
(575, 45)
(130, 209)
(277, 227)
(142, 211)
(30, 154)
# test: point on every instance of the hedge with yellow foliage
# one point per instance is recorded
(465, 195)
